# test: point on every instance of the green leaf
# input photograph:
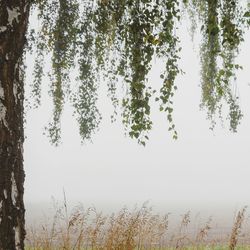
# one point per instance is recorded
(247, 14)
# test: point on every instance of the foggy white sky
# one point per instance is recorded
(201, 169)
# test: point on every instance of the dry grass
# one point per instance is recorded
(237, 229)
(139, 228)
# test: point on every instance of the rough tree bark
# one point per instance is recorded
(13, 25)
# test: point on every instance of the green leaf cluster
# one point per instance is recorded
(115, 42)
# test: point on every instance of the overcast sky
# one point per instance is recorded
(201, 169)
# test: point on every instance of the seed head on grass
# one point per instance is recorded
(237, 228)
(203, 231)
(185, 221)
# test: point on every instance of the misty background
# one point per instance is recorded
(203, 171)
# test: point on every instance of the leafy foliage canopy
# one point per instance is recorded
(118, 40)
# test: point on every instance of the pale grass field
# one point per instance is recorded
(136, 229)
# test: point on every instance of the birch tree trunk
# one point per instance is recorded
(13, 25)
